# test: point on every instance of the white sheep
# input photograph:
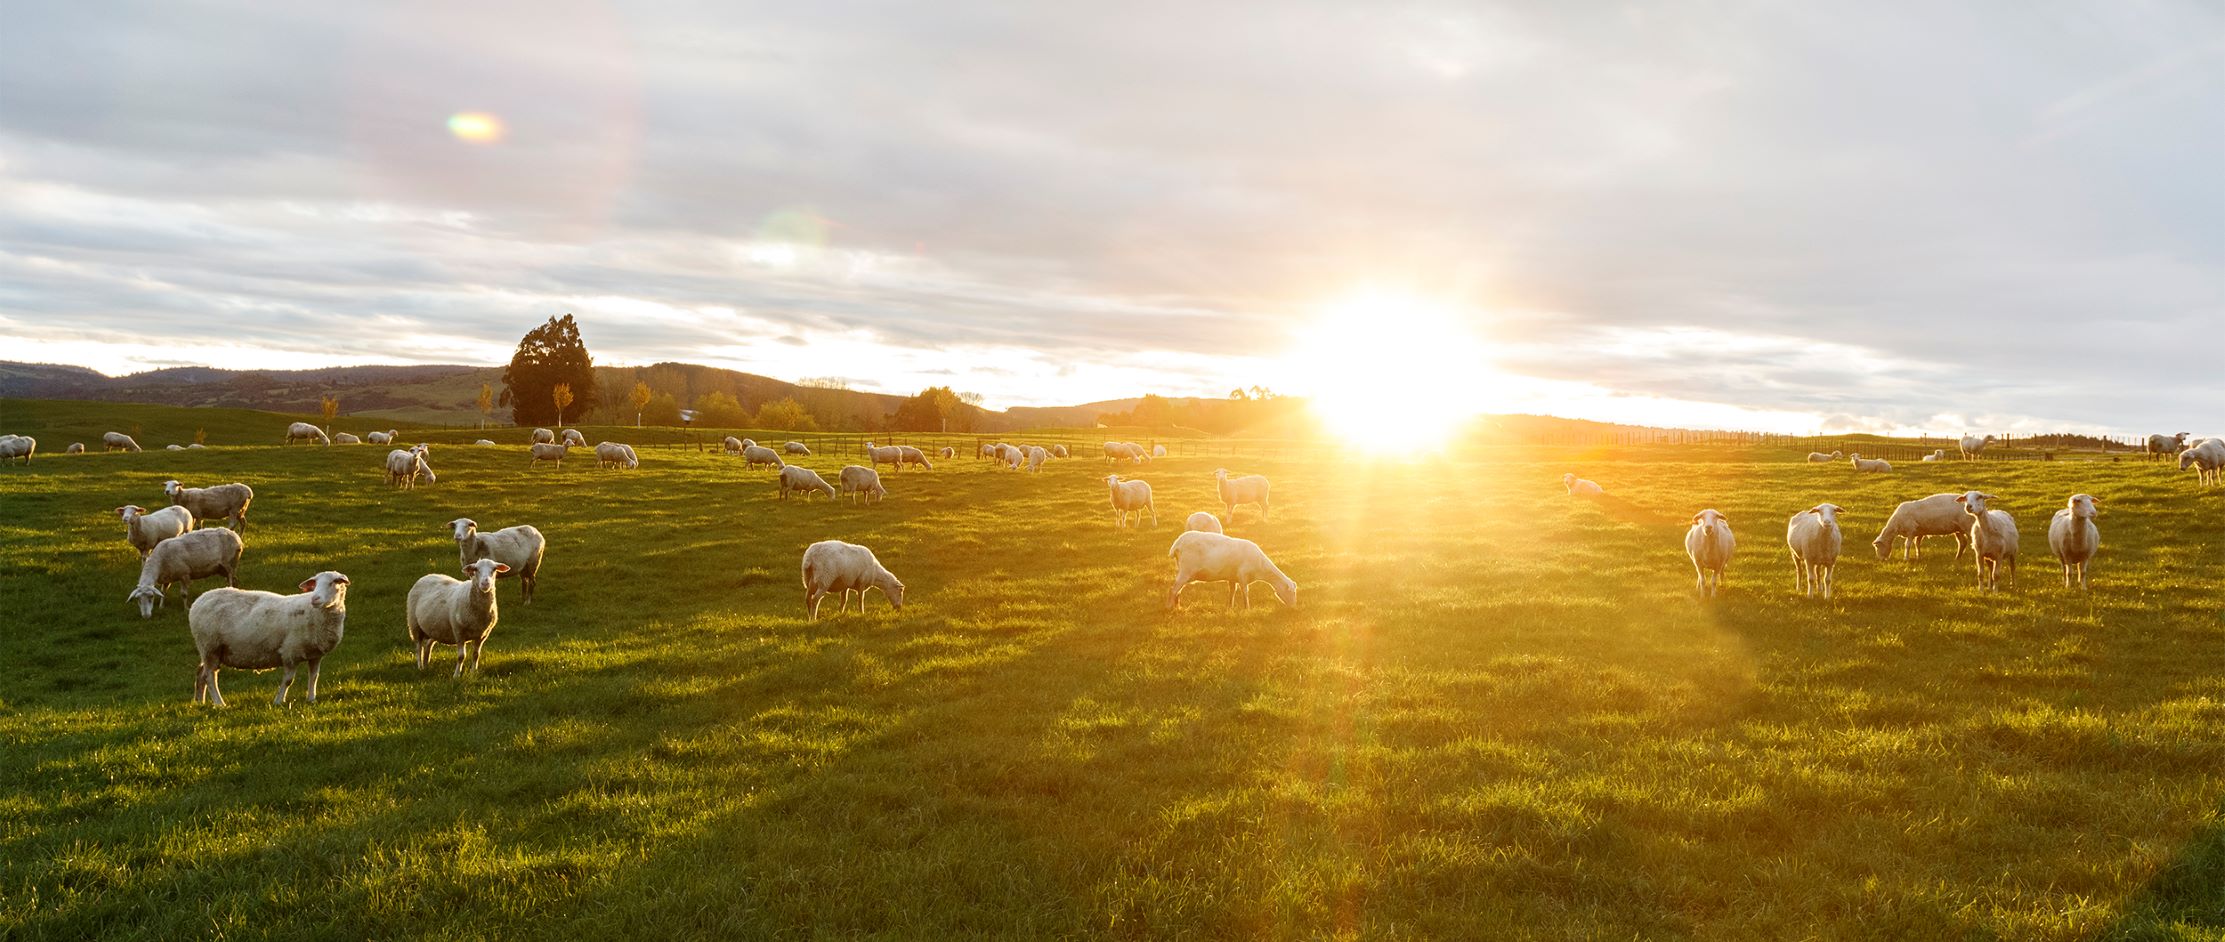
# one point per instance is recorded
(446, 610)
(1058, 451)
(305, 432)
(226, 502)
(144, 531)
(383, 438)
(947, 453)
(1131, 497)
(731, 445)
(796, 478)
(174, 447)
(754, 455)
(117, 441)
(877, 455)
(2074, 538)
(1158, 451)
(1913, 520)
(835, 566)
(75, 448)
(1012, 456)
(1249, 489)
(258, 631)
(748, 443)
(1709, 543)
(615, 455)
(405, 465)
(1973, 444)
(860, 481)
(2207, 458)
(797, 448)
(1872, 465)
(344, 438)
(1204, 521)
(1115, 451)
(484, 441)
(1578, 487)
(543, 451)
(2161, 446)
(573, 438)
(18, 446)
(1937, 454)
(990, 449)
(1037, 454)
(1817, 457)
(1814, 539)
(521, 548)
(193, 445)
(541, 436)
(1992, 536)
(180, 560)
(1204, 556)
(913, 457)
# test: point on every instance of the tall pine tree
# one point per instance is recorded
(550, 354)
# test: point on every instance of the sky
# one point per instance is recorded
(1790, 216)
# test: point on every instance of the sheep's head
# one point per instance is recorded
(128, 511)
(2084, 506)
(463, 528)
(1884, 546)
(326, 589)
(148, 597)
(2186, 459)
(1829, 512)
(170, 488)
(1710, 519)
(1287, 591)
(1112, 480)
(1221, 474)
(2181, 438)
(1974, 503)
(895, 592)
(483, 573)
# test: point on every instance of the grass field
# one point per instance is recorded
(1496, 713)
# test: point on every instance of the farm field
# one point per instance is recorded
(1496, 712)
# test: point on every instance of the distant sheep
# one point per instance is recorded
(1203, 556)
(446, 610)
(1115, 451)
(1204, 521)
(755, 456)
(731, 445)
(1992, 536)
(616, 455)
(2074, 538)
(521, 548)
(1249, 489)
(801, 480)
(388, 437)
(831, 566)
(117, 441)
(344, 438)
(75, 448)
(947, 453)
(1973, 444)
(1871, 465)
(1913, 520)
(1158, 451)
(860, 481)
(226, 502)
(797, 448)
(18, 447)
(2163, 446)
(180, 560)
(877, 455)
(990, 449)
(1937, 454)
(261, 630)
(1817, 457)
(1709, 542)
(543, 451)
(1578, 487)
(573, 438)
(1814, 539)
(174, 447)
(1037, 454)
(1130, 497)
(405, 465)
(305, 432)
(1058, 451)
(484, 441)
(913, 458)
(144, 531)
(541, 436)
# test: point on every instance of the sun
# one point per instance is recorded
(1392, 368)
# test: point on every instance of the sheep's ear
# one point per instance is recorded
(502, 567)
(308, 584)
(1962, 498)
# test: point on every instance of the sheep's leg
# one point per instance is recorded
(216, 693)
(1233, 588)
(313, 668)
(477, 649)
(462, 651)
(201, 682)
(1826, 572)
(1263, 511)
(1154, 515)
(811, 604)
(528, 582)
(285, 684)
(1174, 593)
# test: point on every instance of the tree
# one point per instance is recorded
(637, 399)
(663, 410)
(330, 406)
(786, 413)
(918, 413)
(486, 403)
(549, 354)
(946, 404)
(561, 394)
(719, 410)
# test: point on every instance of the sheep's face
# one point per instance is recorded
(483, 573)
(326, 589)
(1288, 593)
(149, 599)
(1974, 503)
(895, 592)
(2186, 459)
(170, 488)
(1884, 547)
(1829, 513)
(462, 528)
(1710, 519)
(128, 511)
(2083, 506)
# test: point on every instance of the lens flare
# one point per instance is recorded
(477, 127)
(1392, 367)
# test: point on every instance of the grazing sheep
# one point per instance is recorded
(913, 457)
(521, 548)
(860, 481)
(144, 531)
(1249, 489)
(484, 441)
(1913, 520)
(2159, 446)
(1972, 445)
(947, 453)
(731, 445)
(117, 441)
(1992, 536)
(1709, 542)
(1012, 456)
(344, 438)
(748, 443)
(799, 479)
(877, 455)
(835, 566)
(1037, 454)
(1814, 538)
(1578, 487)
(2074, 538)
(758, 455)
(226, 502)
(194, 445)
(257, 631)
(405, 465)
(174, 447)
(1115, 451)
(1204, 521)
(543, 451)
(18, 446)
(615, 455)
(388, 437)
(183, 558)
(305, 432)
(1158, 451)
(1131, 497)
(1203, 556)
(1872, 465)
(573, 438)
(75, 448)
(797, 448)
(1058, 451)
(542, 436)
(446, 610)
(991, 449)
(2207, 458)
(1817, 457)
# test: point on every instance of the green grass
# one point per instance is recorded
(1497, 713)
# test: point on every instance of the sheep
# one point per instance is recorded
(990, 449)
(877, 455)
(446, 610)
(797, 448)
(1814, 539)
(860, 481)
(541, 436)
(2074, 538)
(573, 438)
(1058, 451)
(1972, 445)
(1130, 497)
(755, 455)
(484, 441)
(1872, 465)
(795, 478)
(748, 443)
(226, 502)
(75, 448)
(1158, 451)
(257, 631)
(1204, 521)
(543, 451)
(1817, 457)
(1249, 489)
(947, 453)
(1913, 520)
(1114, 451)
(1037, 454)
(405, 465)
(174, 447)
(1137, 453)
(380, 438)
(193, 445)
(145, 530)
(1012, 456)
(180, 560)
(835, 566)
(2158, 446)
(1202, 556)
(1992, 536)
(117, 441)
(343, 438)
(1578, 487)
(2207, 458)
(305, 432)
(731, 445)
(1937, 454)
(18, 446)
(1709, 543)
(615, 455)
(520, 547)
(913, 457)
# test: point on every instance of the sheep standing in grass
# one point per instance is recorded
(1158, 451)
(521, 548)
(1709, 543)
(2161, 446)
(947, 453)
(541, 436)
(1058, 451)
(913, 457)
(388, 437)
(15, 447)
(1202, 556)
(878, 455)
(799, 479)
(1037, 454)
(1578, 487)
(343, 438)
(1872, 465)
(573, 438)
(462, 612)
(226, 502)
(731, 445)
(1012, 456)
(1115, 451)
(258, 631)
(835, 566)
(1202, 521)
(543, 451)
(1973, 444)
(1249, 489)
(797, 448)
(990, 450)
(180, 560)
(2074, 538)
(483, 442)
(755, 456)
(1817, 457)
(1913, 520)
(117, 441)
(615, 455)
(75, 448)
(146, 530)
(1814, 538)
(860, 481)
(1992, 536)
(305, 432)
(405, 465)
(174, 447)
(1131, 497)
(2206, 457)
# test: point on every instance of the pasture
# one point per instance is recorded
(1495, 713)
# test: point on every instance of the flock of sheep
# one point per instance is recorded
(255, 630)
